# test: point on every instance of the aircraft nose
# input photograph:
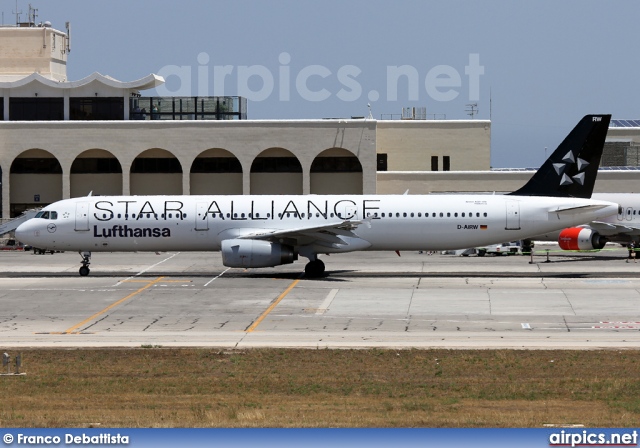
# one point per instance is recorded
(24, 232)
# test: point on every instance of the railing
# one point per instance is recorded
(422, 117)
(188, 108)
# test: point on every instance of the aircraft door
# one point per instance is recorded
(202, 217)
(82, 216)
(513, 215)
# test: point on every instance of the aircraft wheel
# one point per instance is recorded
(482, 253)
(84, 271)
(314, 268)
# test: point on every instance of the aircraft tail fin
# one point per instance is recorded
(572, 168)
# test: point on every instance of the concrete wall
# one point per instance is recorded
(410, 144)
(33, 50)
(99, 184)
(336, 183)
(186, 140)
(216, 183)
(48, 187)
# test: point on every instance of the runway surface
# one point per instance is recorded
(368, 299)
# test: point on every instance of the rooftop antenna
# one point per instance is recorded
(472, 110)
(17, 13)
(490, 105)
(370, 117)
(33, 13)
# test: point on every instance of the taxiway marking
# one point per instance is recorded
(146, 269)
(221, 274)
(324, 306)
(272, 306)
(73, 329)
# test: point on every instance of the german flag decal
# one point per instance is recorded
(483, 227)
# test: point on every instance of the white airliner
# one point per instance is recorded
(264, 231)
(620, 228)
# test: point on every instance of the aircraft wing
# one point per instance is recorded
(337, 235)
(608, 228)
(571, 209)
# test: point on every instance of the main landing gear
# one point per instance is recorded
(86, 261)
(315, 268)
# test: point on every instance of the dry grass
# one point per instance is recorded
(322, 388)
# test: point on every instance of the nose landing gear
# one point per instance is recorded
(86, 261)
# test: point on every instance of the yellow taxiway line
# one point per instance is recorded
(73, 329)
(272, 306)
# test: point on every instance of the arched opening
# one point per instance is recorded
(35, 180)
(276, 171)
(336, 171)
(96, 171)
(156, 171)
(216, 171)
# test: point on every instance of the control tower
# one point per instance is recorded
(27, 48)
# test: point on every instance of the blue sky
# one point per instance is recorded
(543, 64)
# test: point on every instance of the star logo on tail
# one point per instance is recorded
(569, 159)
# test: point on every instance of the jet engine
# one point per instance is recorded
(237, 253)
(581, 238)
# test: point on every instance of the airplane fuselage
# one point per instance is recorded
(201, 223)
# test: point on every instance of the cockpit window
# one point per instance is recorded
(47, 215)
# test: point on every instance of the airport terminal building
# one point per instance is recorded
(98, 135)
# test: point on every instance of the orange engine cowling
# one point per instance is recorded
(581, 238)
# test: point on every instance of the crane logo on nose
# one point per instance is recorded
(51, 228)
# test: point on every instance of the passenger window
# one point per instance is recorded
(463, 214)
(485, 215)
(404, 215)
(383, 215)
(441, 214)
(433, 216)
(412, 215)
(120, 216)
(455, 215)
(397, 215)
(448, 215)
(242, 215)
(419, 215)
(332, 215)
